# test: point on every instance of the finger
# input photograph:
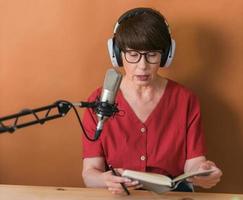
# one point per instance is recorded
(204, 183)
(208, 185)
(119, 179)
(133, 183)
(214, 175)
(212, 182)
(207, 165)
(116, 190)
(135, 187)
(190, 180)
(211, 163)
(217, 172)
(205, 179)
(113, 185)
(118, 184)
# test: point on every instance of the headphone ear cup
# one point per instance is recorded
(115, 53)
(170, 54)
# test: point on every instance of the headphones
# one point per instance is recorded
(115, 51)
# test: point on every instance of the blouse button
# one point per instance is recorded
(142, 158)
(143, 130)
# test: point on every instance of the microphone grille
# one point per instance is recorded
(112, 80)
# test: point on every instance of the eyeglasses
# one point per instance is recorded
(152, 57)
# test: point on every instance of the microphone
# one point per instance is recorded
(106, 106)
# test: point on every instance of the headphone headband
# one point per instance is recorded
(115, 51)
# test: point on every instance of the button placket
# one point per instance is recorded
(143, 142)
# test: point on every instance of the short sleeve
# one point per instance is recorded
(91, 148)
(195, 134)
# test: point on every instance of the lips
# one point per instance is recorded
(142, 77)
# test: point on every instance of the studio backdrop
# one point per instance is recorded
(56, 49)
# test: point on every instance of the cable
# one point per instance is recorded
(79, 120)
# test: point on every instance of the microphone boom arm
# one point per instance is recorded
(61, 107)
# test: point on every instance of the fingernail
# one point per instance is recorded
(135, 182)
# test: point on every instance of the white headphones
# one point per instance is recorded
(114, 50)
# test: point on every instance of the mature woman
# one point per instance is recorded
(161, 129)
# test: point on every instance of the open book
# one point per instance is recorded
(161, 183)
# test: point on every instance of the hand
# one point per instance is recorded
(207, 181)
(113, 182)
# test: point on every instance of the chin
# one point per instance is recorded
(143, 83)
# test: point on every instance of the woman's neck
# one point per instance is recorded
(143, 92)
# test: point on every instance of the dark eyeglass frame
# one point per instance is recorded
(143, 54)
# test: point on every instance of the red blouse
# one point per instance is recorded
(171, 134)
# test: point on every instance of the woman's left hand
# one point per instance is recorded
(207, 181)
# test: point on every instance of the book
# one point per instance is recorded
(161, 183)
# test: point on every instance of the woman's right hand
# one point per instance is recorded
(113, 182)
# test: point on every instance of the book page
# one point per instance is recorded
(148, 177)
(191, 174)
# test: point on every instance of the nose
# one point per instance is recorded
(142, 64)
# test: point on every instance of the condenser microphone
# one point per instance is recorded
(106, 106)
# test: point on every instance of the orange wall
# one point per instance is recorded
(56, 49)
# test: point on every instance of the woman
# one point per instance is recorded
(161, 129)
